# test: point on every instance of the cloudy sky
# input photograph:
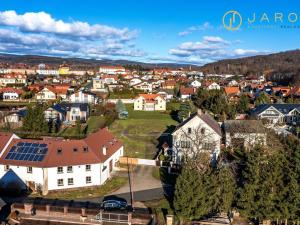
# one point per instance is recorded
(189, 31)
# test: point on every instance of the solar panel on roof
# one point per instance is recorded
(27, 152)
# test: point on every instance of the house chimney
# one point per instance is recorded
(104, 150)
(199, 111)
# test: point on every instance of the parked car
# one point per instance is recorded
(114, 204)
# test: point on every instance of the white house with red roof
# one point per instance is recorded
(13, 78)
(150, 102)
(10, 94)
(56, 164)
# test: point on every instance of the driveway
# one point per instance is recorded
(141, 179)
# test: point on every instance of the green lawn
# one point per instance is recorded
(94, 123)
(110, 186)
(140, 132)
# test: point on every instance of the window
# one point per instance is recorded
(75, 150)
(104, 168)
(60, 169)
(85, 149)
(6, 167)
(185, 144)
(202, 130)
(70, 169)
(87, 167)
(70, 181)
(60, 182)
(29, 169)
(189, 130)
(59, 151)
(208, 146)
(88, 180)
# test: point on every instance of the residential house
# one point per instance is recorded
(56, 113)
(135, 81)
(11, 94)
(98, 85)
(168, 94)
(199, 133)
(76, 111)
(149, 102)
(83, 97)
(212, 86)
(244, 133)
(13, 78)
(169, 84)
(56, 164)
(195, 84)
(278, 113)
(144, 86)
(112, 70)
(110, 79)
(186, 93)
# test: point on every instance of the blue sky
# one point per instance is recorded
(189, 31)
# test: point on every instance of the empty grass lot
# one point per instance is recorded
(140, 132)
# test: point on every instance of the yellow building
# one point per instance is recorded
(64, 69)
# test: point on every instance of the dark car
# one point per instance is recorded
(114, 204)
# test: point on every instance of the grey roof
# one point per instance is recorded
(205, 118)
(243, 126)
(283, 108)
(64, 107)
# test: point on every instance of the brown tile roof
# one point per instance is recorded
(187, 90)
(4, 138)
(11, 89)
(68, 157)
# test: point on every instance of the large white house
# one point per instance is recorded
(55, 164)
(199, 133)
(83, 97)
(150, 102)
(99, 85)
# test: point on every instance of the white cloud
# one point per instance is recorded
(202, 27)
(44, 22)
(40, 33)
(209, 49)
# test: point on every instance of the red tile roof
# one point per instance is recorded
(232, 90)
(11, 89)
(4, 138)
(68, 157)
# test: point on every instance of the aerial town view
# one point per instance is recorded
(149, 112)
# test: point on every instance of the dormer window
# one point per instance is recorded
(59, 151)
(75, 150)
(104, 150)
(85, 149)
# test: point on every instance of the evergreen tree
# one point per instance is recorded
(184, 111)
(243, 104)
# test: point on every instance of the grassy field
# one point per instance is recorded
(110, 186)
(141, 131)
(94, 123)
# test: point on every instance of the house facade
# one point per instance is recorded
(199, 133)
(149, 102)
(46, 94)
(244, 133)
(278, 113)
(11, 94)
(82, 97)
(56, 164)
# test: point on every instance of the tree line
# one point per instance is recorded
(259, 184)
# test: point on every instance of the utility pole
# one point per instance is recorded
(130, 183)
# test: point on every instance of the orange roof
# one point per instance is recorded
(187, 90)
(149, 97)
(94, 144)
(10, 89)
(295, 91)
(231, 90)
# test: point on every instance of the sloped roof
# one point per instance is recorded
(283, 108)
(4, 138)
(244, 126)
(231, 90)
(206, 118)
(94, 144)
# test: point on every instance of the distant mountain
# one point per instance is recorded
(80, 63)
(283, 67)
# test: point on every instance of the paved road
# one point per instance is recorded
(141, 179)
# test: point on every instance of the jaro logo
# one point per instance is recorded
(232, 20)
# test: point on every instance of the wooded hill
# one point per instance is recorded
(283, 66)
